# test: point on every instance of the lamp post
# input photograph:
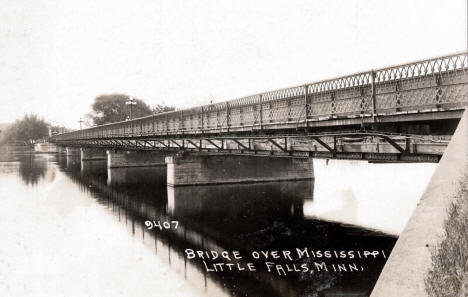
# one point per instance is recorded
(81, 122)
(131, 102)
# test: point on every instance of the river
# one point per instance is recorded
(69, 228)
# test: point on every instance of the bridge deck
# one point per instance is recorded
(426, 90)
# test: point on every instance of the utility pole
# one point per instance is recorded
(80, 121)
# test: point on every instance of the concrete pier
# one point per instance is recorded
(120, 159)
(90, 154)
(61, 150)
(72, 155)
(73, 151)
(184, 170)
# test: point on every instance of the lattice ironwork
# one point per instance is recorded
(440, 83)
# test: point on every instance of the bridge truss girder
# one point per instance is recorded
(370, 146)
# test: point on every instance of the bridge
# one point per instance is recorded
(402, 113)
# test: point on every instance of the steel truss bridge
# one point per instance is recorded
(346, 117)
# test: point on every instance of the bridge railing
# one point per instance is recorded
(437, 83)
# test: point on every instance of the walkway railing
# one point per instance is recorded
(435, 84)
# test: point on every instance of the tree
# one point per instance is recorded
(112, 108)
(29, 129)
(162, 108)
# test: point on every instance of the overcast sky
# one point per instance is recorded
(57, 56)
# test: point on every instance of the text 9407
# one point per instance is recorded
(161, 224)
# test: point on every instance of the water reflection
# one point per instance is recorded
(136, 175)
(33, 169)
(247, 217)
(250, 217)
(68, 162)
(93, 168)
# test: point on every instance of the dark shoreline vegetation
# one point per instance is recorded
(25, 130)
(105, 109)
(448, 276)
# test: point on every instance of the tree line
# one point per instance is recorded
(27, 129)
(105, 109)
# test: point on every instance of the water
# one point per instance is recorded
(78, 229)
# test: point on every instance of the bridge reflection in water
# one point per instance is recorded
(268, 216)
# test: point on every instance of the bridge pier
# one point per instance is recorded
(120, 159)
(72, 155)
(61, 153)
(61, 149)
(90, 154)
(72, 151)
(227, 169)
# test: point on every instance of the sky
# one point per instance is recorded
(57, 56)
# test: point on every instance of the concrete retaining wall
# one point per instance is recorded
(406, 271)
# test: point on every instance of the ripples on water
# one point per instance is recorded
(78, 229)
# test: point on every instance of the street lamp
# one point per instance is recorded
(131, 102)
(81, 122)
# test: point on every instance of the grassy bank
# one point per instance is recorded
(448, 276)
